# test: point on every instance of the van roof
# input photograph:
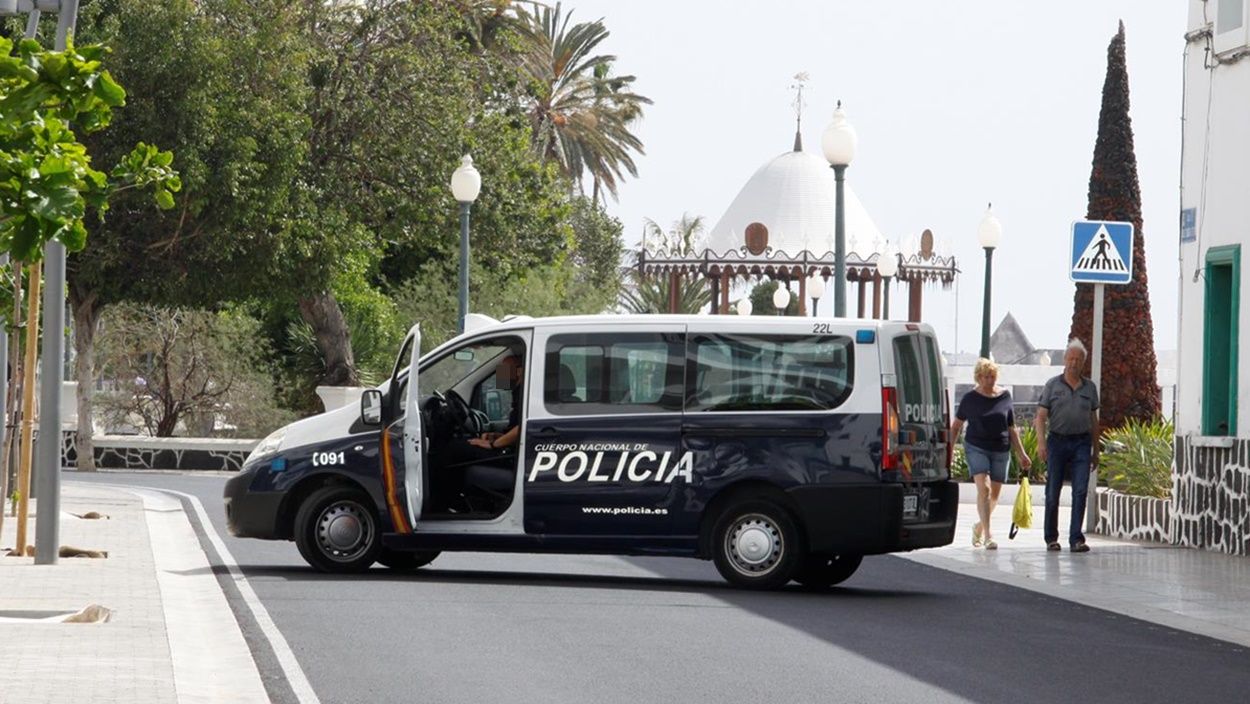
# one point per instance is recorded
(477, 322)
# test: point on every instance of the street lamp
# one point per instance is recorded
(815, 289)
(989, 232)
(466, 183)
(744, 306)
(838, 143)
(781, 299)
(887, 266)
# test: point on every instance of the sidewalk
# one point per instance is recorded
(1191, 590)
(171, 636)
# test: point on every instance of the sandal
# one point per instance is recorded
(991, 545)
(976, 534)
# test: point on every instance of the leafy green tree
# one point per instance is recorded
(221, 82)
(398, 91)
(581, 113)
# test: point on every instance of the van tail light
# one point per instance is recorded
(946, 431)
(889, 429)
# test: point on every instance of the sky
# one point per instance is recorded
(956, 104)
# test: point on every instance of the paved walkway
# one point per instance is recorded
(171, 636)
(1198, 591)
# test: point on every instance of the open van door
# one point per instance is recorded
(402, 451)
(414, 477)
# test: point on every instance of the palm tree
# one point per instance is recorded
(650, 294)
(580, 112)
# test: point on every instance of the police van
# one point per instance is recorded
(781, 448)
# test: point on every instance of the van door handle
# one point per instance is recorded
(546, 433)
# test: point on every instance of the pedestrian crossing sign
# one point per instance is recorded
(1102, 252)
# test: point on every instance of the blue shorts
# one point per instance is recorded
(982, 462)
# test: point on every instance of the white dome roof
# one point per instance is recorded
(793, 196)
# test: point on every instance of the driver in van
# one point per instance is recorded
(508, 376)
(463, 452)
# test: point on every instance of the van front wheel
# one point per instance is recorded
(336, 530)
(824, 571)
(756, 545)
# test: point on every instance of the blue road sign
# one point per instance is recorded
(1102, 252)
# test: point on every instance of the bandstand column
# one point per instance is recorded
(914, 304)
(863, 296)
(802, 294)
(876, 296)
(726, 280)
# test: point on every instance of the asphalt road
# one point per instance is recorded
(550, 628)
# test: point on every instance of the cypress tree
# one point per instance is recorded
(1130, 386)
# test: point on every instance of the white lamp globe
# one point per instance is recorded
(816, 287)
(887, 263)
(744, 306)
(781, 298)
(990, 231)
(839, 140)
(466, 182)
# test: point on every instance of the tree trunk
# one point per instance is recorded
(86, 309)
(334, 340)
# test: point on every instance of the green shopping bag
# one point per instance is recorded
(1022, 513)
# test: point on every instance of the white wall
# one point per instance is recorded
(1214, 180)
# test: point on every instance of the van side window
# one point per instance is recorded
(618, 373)
(769, 372)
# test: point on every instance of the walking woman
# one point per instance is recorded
(987, 446)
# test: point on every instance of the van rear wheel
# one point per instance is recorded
(336, 530)
(756, 545)
(824, 571)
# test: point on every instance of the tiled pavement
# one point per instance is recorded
(129, 658)
(1198, 591)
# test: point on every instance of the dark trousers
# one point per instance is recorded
(1066, 457)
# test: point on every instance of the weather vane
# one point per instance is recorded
(800, 78)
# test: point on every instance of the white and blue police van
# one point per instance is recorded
(781, 448)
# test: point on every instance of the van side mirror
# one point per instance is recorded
(371, 407)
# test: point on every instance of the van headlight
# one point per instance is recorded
(267, 447)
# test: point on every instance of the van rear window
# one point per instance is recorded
(768, 372)
(918, 367)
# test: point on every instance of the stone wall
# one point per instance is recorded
(1134, 517)
(140, 452)
(1211, 492)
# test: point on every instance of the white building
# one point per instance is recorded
(1212, 471)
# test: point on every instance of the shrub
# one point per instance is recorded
(959, 464)
(1028, 438)
(1137, 458)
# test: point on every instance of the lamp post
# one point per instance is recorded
(887, 266)
(781, 299)
(466, 182)
(744, 306)
(988, 234)
(838, 143)
(815, 289)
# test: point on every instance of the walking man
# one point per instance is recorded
(1070, 404)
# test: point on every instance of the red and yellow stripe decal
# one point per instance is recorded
(398, 519)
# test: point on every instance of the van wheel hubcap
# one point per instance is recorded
(344, 531)
(754, 545)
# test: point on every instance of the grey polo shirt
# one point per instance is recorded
(1069, 408)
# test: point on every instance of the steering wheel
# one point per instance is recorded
(459, 413)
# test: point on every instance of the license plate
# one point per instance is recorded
(916, 504)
